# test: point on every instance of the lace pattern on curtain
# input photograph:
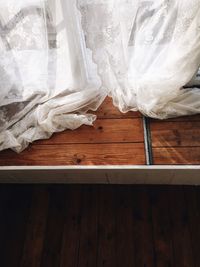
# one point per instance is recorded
(48, 79)
(61, 58)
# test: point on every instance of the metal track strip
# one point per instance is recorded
(147, 141)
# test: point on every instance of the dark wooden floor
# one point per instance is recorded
(115, 139)
(102, 226)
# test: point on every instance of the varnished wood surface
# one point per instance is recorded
(104, 226)
(77, 154)
(115, 139)
(179, 134)
(108, 111)
(103, 131)
(176, 155)
(176, 141)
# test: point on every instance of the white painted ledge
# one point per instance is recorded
(170, 175)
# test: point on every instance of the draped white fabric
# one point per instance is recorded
(59, 59)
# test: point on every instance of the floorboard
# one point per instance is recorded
(176, 155)
(192, 204)
(72, 228)
(14, 222)
(108, 111)
(52, 248)
(36, 227)
(173, 134)
(99, 225)
(88, 228)
(106, 254)
(143, 228)
(115, 139)
(162, 230)
(77, 154)
(103, 131)
(176, 141)
(181, 236)
(125, 248)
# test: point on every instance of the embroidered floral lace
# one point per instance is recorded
(60, 59)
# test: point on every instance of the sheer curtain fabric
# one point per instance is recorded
(60, 59)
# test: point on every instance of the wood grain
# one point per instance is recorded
(77, 154)
(35, 232)
(176, 155)
(99, 225)
(109, 111)
(51, 255)
(104, 131)
(171, 134)
(15, 219)
(192, 205)
(181, 237)
(142, 228)
(88, 229)
(106, 254)
(125, 249)
(162, 229)
(115, 139)
(6, 196)
(179, 119)
(71, 232)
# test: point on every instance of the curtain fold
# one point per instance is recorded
(60, 59)
(48, 78)
(148, 52)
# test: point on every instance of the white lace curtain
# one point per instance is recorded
(61, 58)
